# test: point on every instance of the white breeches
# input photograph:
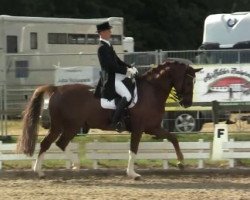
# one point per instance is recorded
(120, 88)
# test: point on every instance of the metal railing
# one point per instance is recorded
(195, 56)
(3, 115)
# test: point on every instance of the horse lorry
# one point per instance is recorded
(225, 58)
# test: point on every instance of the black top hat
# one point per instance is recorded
(103, 26)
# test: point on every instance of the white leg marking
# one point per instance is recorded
(131, 168)
(38, 165)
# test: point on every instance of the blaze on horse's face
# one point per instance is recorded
(185, 93)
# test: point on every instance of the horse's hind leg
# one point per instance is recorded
(67, 135)
(164, 134)
(45, 145)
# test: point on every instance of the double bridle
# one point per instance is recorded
(179, 94)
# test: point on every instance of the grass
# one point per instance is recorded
(15, 127)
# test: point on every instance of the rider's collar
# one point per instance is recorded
(101, 39)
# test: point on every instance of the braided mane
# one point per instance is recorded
(160, 70)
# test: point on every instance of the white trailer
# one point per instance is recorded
(33, 48)
(227, 30)
(54, 35)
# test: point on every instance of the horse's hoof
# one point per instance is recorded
(134, 175)
(137, 178)
(41, 175)
(76, 168)
(181, 165)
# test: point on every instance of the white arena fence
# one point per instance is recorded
(70, 156)
(199, 151)
(233, 150)
(97, 151)
(148, 150)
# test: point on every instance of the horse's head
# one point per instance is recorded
(174, 74)
(183, 77)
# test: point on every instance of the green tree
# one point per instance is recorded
(155, 24)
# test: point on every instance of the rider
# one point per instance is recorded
(114, 71)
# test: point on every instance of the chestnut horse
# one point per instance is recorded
(74, 107)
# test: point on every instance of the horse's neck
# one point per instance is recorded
(153, 92)
(162, 94)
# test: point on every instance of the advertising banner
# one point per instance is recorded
(223, 82)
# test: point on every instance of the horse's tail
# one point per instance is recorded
(31, 114)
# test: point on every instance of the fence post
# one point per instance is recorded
(3, 100)
(68, 154)
(1, 144)
(200, 161)
(156, 58)
(231, 150)
(165, 161)
(95, 162)
(160, 56)
(215, 110)
(220, 136)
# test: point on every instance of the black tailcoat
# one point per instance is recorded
(110, 64)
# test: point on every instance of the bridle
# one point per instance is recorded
(180, 94)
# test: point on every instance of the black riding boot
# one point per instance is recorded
(116, 124)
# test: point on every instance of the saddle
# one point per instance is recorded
(111, 104)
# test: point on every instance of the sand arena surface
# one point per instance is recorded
(115, 185)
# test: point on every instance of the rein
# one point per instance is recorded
(178, 95)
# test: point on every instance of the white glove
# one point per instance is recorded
(135, 70)
(130, 72)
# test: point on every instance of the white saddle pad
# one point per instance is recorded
(105, 103)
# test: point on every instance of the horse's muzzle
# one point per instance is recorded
(185, 104)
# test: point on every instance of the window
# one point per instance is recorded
(11, 44)
(76, 38)
(116, 39)
(57, 38)
(22, 68)
(72, 38)
(33, 40)
(92, 39)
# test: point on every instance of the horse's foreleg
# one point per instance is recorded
(131, 168)
(38, 165)
(134, 144)
(164, 134)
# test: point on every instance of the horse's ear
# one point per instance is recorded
(197, 70)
